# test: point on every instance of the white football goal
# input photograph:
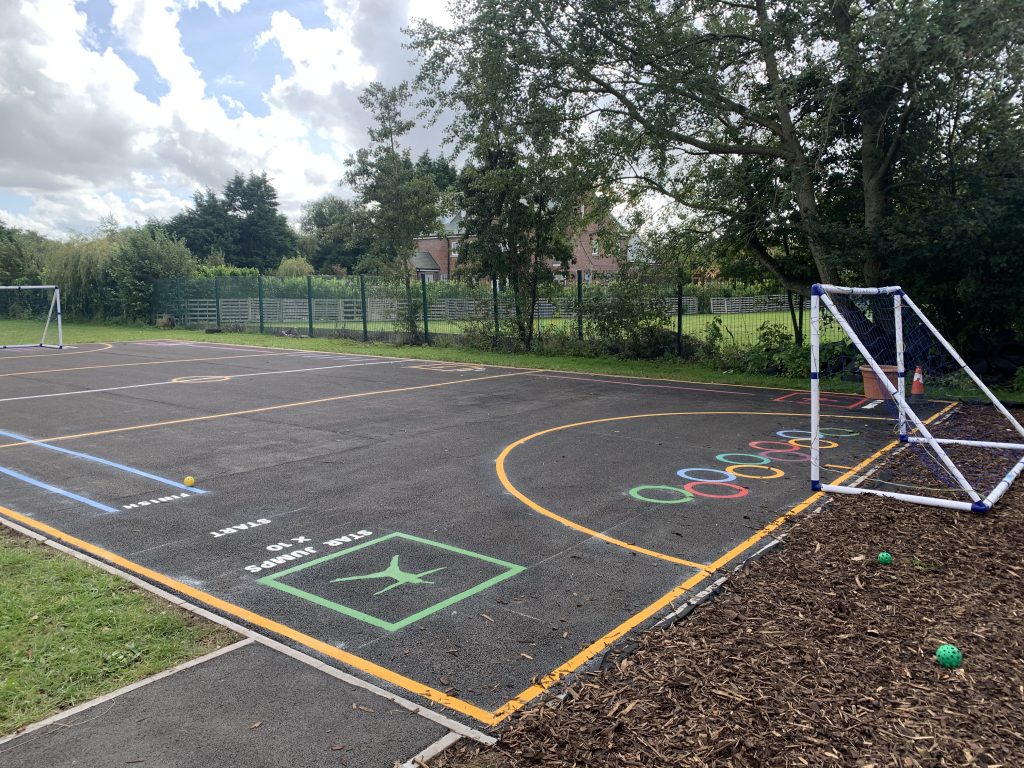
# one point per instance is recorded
(32, 302)
(963, 451)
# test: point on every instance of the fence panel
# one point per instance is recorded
(392, 310)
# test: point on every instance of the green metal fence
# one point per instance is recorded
(419, 311)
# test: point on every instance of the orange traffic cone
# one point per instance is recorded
(917, 387)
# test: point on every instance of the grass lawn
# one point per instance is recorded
(70, 632)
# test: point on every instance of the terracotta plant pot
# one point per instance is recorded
(875, 389)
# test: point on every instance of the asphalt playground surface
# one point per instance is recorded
(463, 536)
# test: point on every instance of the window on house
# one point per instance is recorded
(594, 247)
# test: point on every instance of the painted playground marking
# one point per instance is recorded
(160, 500)
(147, 362)
(747, 461)
(493, 717)
(834, 399)
(512, 489)
(449, 368)
(263, 409)
(195, 379)
(316, 575)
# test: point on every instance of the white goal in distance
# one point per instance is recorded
(886, 326)
(29, 295)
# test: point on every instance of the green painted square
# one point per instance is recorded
(273, 580)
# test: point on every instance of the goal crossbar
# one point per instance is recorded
(54, 311)
(821, 294)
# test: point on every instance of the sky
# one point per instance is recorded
(124, 108)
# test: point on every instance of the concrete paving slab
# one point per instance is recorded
(252, 707)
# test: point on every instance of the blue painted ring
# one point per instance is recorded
(760, 460)
(726, 476)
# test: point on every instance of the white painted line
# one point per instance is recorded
(172, 381)
(872, 404)
(429, 714)
(435, 749)
(127, 689)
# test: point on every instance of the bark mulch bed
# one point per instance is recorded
(817, 655)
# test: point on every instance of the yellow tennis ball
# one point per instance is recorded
(190, 481)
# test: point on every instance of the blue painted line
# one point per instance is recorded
(55, 489)
(98, 460)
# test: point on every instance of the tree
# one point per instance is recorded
(207, 228)
(770, 119)
(264, 237)
(144, 255)
(338, 233)
(294, 267)
(244, 225)
(399, 203)
(524, 185)
(17, 265)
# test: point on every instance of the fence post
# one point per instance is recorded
(259, 292)
(423, 292)
(216, 297)
(362, 307)
(494, 299)
(579, 303)
(309, 303)
(679, 320)
(181, 310)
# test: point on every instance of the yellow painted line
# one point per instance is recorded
(585, 655)
(147, 362)
(511, 488)
(256, 619)
(264, 409)
(837, 466)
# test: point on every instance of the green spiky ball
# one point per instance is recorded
(948, 656)
(885, 558)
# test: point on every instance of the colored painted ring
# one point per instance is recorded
(821, 443)
(740, 490)
(636, 494)
(685, 474)
(761, 460)
(838, 432)
(788, 434)
(737, 467)
(786, 447)
(800, 454)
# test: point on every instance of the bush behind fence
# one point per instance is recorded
(630, 318)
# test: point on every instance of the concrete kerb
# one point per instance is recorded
(452, 725)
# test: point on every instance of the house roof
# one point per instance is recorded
(423, 261)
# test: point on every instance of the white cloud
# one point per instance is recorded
(322, 57)
(81, 142)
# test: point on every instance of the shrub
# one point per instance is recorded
(294, 267)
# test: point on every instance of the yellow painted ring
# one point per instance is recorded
(735, 469)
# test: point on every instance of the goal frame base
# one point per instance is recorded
(821, 295)
(54, 310)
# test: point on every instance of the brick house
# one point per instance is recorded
(437, 256)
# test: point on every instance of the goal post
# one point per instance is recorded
(909, 428)
(53, 315)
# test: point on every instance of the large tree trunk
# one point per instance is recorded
(801, 176)
(875, 180)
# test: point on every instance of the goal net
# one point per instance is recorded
(959, 446)
(30, 312)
